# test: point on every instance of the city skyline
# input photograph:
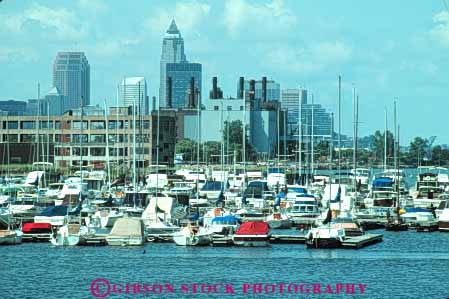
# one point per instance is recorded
(298, 44)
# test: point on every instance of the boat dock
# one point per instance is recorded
(361, 241)
(287, 239)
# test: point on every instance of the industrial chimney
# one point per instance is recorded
(192, 93)
(241, 87)
(169, 92)
(264, 89)
(252, 90)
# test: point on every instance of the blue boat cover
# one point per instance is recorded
(54, 211)
(414, 210)
(382, 182)
(230, 219)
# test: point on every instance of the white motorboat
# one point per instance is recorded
(68, 235)
(192, 236)
(325, 236)
(278, 220)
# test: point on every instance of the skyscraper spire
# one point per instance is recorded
(173, 29)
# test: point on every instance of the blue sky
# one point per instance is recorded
(386, 48)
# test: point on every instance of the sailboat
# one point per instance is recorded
(9, 236)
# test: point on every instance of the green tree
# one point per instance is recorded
(417, 152)
(233, 137)
(379, 146)
(187, 148)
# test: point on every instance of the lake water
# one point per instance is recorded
(405, 265)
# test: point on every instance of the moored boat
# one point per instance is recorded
(252, 234)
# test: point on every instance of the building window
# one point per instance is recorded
(12, 125)
(216, 108)
(97, 138)
(11, 138)
(97, 151)
(113, 124)
(76, 138)
(229, 108)
(27, 138)
(241, 108)
(76, 125)
(30, 125)
(57, 124)
(46, 124)
(76, 151)
(97, 125)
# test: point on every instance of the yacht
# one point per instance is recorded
(443, 219)
(192, 236)
(304, 210)
(325, 236)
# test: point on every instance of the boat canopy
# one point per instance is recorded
(54, 211)
(31, 227)
(230, 220)
(253, 228)
(416, 210)
(382, 182)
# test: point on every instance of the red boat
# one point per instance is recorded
(252, 234)
(36, 232)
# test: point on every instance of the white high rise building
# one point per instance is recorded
(129, 93)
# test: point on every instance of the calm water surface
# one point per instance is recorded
(405, 265)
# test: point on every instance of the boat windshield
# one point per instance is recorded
(212, 186)
(296, 190)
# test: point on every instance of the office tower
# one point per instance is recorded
(180, 75)
(71, 75)
(55, 102)
(129, 93)
(12, 107)
(172, 52)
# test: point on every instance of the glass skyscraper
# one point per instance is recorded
(181, 74)
(129, 93)
(71, 75)
(172, 52)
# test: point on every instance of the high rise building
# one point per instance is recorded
(55, 102)
(172, 52)
(129, 93)
(12, 107)
(180, 75)
(265, 90)
(175, 68)
(71, 75)
(291, 98)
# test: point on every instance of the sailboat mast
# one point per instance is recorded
(354, 157)
(300, 136)
(312, 144)
(81, 142)
(395, 128)
(339, 128)
(108, 165)
(244, 132)
(117, 139)
(385, 140)
(134, 151)
(198, 111)
(38, 115)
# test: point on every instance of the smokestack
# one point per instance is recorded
(241, 87)
(192, 93)
(197, 97)
(154, 103)
(169, 92)
(252, 90)
(264, 89)
(214, 88)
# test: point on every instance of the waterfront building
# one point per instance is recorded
(13, 107)
(71, 76)
(36, 107)
(174, 67)
(63, 136)
(133, 91)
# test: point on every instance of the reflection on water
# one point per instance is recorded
(405, 263)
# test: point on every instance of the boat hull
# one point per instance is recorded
(10, 238)
(251, 240)
(323, 243)
(443, 226)
(123, 241)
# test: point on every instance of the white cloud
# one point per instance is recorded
(313, 58)
(58, 21)
(94, 6)
(18, 54)
(272, 17)
(188, 16)
(440, 32)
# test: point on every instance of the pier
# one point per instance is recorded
(361, 241)
(287, 239)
